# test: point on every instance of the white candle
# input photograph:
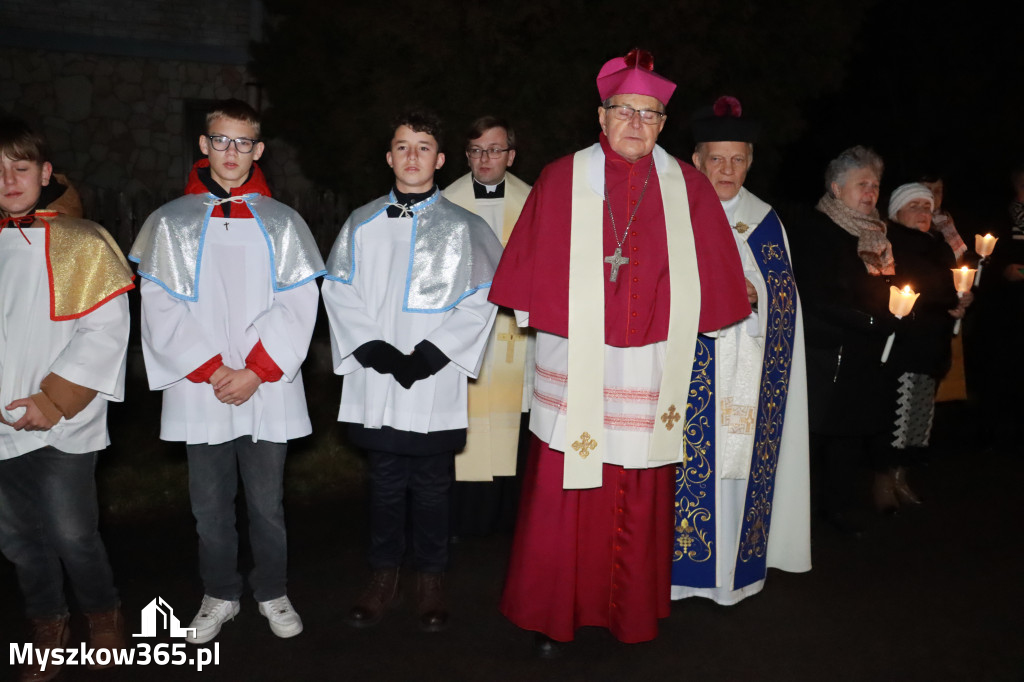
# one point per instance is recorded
(985, 245)
(963, 279)
(901, 302)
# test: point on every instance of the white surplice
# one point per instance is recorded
(739, 352)
(632, 380)
(371, 308)
(236, 308)
(89, 351)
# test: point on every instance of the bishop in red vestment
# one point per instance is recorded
(602, 555)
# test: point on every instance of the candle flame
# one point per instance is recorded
(907, 290)
(963, 269)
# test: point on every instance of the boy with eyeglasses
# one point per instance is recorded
(229, 299)
(63, 343)
(406, 294)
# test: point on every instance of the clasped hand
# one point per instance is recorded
(234, 386)
(384, 358)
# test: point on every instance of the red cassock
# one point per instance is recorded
(603, 556)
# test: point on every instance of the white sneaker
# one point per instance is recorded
(284, 621)
(213, 613)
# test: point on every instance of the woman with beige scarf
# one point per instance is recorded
(843, 264)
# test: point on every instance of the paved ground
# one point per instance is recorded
(932, 594)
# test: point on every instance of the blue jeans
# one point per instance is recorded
(213, 472)
(49, 518)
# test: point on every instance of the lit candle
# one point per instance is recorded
(985, 245)
(963, 280)
(901, 302)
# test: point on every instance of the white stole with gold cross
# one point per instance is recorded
(585, 423)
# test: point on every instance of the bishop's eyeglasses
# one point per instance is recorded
(492, 153)
(625, 113)
(243, 145)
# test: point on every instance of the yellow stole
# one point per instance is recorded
(496, 395)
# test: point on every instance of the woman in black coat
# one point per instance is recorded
(921, 353)
(844, 264)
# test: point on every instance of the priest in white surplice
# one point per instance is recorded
(484, 495)
(759, 479)
(406, 295)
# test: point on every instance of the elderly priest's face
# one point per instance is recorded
(725, 164)
(632, 139)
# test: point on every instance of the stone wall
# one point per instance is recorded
(204, 22)
(119, 87)
(120, 123)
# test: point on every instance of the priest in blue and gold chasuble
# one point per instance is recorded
(742, 491)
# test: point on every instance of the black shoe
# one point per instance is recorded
(546, 647)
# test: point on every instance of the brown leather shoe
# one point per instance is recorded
(379, 595)
(430, 606)
(884, 493)
(106, 631)
(902, 490)
(47, 633)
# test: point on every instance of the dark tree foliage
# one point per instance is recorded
(934, 87)
(335, 74)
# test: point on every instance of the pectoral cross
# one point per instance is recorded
(225, 224)
(616, 260)
(512, 335)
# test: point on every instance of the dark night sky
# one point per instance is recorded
(933, 87)
(929, 85)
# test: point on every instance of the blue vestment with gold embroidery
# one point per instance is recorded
(695, 552)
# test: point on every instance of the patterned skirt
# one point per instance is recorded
(915, 410)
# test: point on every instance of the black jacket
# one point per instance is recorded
(846, 323)
(925, 262)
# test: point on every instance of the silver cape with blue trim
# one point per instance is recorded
(169, 248)
(453, 252)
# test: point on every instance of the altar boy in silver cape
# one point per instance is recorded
(742, 496)
(229, 300)
(406, 295)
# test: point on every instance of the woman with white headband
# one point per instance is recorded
(921, 353)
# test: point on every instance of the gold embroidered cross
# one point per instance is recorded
(512, 335)
(737, 418)
(584, 445)
(670, 418)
